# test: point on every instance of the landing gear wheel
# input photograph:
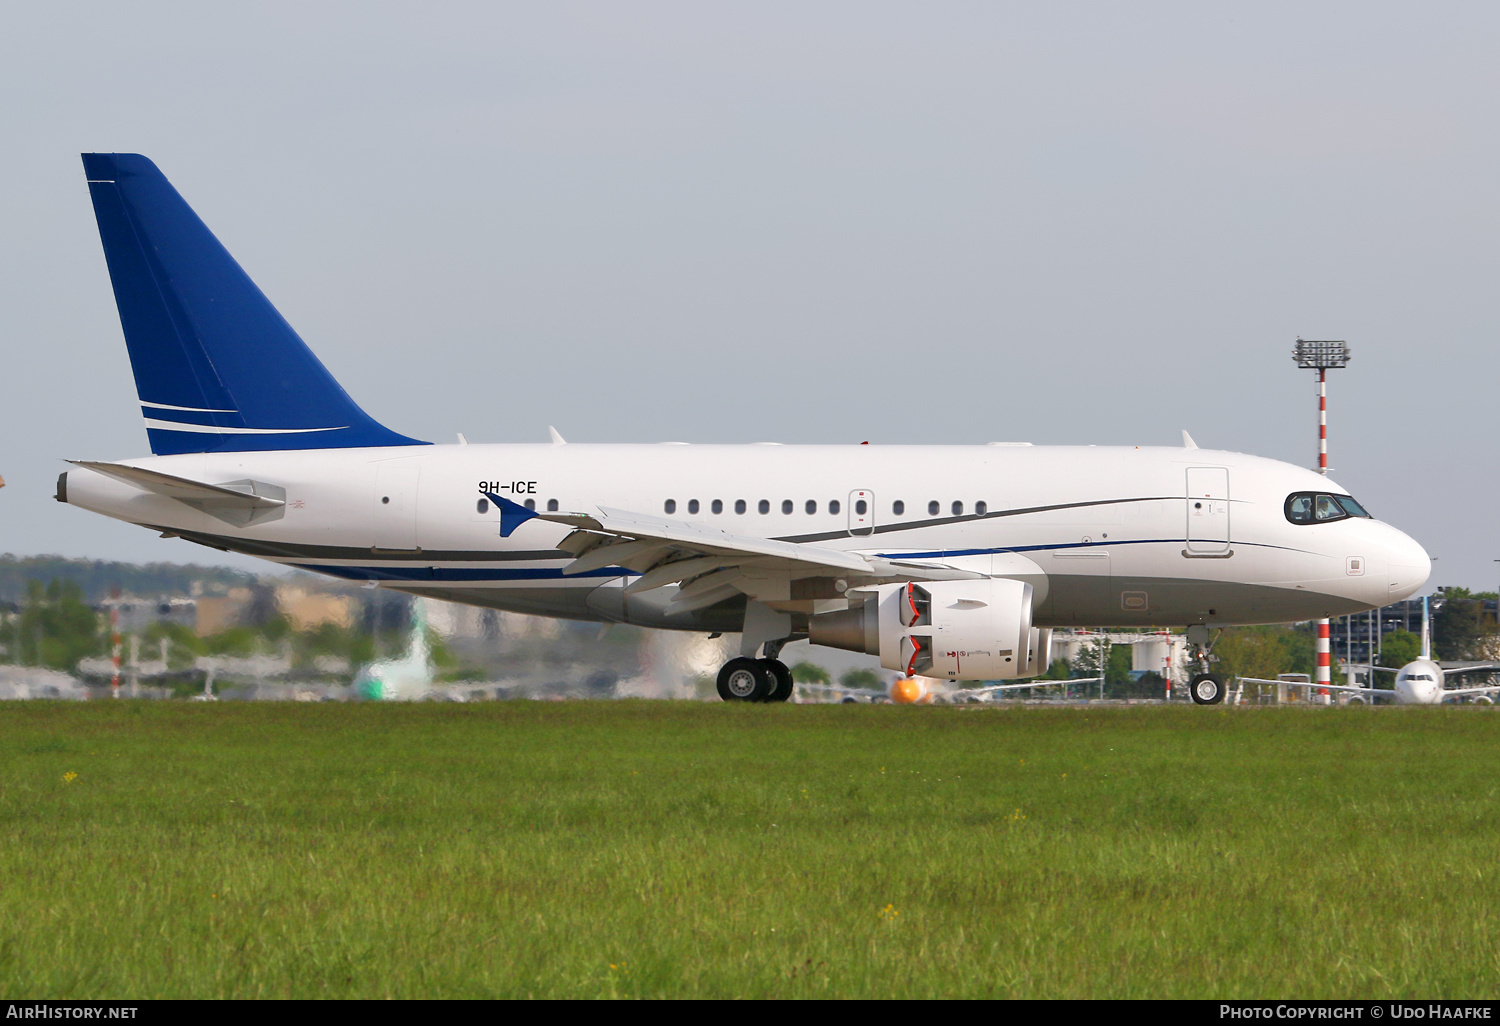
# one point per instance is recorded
(781, 680)
(1206, 689)
(745, 680)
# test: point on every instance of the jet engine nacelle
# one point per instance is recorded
(955, 630)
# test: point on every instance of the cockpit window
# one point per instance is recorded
(1321, 508)
(1327, 509)
(1353, 508)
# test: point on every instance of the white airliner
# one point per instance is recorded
(952, 562)
(1421, 681)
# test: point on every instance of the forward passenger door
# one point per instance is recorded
(1208, 511)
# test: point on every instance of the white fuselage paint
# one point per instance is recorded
(1419, 682)
(1107, 535)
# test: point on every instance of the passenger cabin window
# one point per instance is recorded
(981, 508)
(898, 507)
(483, 505)
(692, 505)
(786, 505)
(958, 509)
(670, 505)
(551, 505)
(718, 506)
(812, 506)
(763, 506)
(1322, 508)
(932, 508)
(861, 507)
(739, 505)
(531, 504)
(833, 506)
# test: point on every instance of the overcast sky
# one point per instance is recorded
(800, 222)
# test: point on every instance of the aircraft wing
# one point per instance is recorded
(1356, 690)
(1035, 682)
(710, 563)
(1488, 689)
(839, 689)
(1366, 668)
(1481, 668)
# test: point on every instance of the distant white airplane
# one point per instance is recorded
(952, 562)
(407, 678)
(1420, 682)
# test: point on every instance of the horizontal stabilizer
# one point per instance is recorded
(241, 503)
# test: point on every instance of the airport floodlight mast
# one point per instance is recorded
(1322, 356)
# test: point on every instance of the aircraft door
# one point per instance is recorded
(396, 507)
(861, 512)
(1208, 511)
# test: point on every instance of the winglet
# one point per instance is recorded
(1187, 440)
(1426, 630)
(557, 438)
(512, 514)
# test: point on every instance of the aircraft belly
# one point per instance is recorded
(563, 603)
(1132, 601)
(653, 609)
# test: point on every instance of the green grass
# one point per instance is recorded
(676, 849)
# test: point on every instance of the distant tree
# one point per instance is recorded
(809, 673)
(1399, 648)
(1118, 671)
(56, 628)
(1148, 685)
(1264, 652)
(1458, 627)
(97, 577)
(861, 678)
(182, 643)
(1059, 670)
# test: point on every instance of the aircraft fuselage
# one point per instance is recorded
(1127, 536)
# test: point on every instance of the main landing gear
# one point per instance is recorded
(755, 680)
(759, 680)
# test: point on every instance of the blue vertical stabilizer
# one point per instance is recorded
(216, 367)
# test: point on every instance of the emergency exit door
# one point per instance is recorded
(861, 512)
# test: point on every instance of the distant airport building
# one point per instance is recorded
(1355, 638)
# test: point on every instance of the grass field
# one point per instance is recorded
(622, 849)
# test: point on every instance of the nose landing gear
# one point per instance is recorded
(1207, 689)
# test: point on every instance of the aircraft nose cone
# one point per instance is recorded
(1410, 566)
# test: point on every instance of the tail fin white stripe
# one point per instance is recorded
(210, 429)
(184, 409)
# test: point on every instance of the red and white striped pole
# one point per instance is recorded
(114, 647)
(1324, 671)
(1320, 355)
(1323, 421)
